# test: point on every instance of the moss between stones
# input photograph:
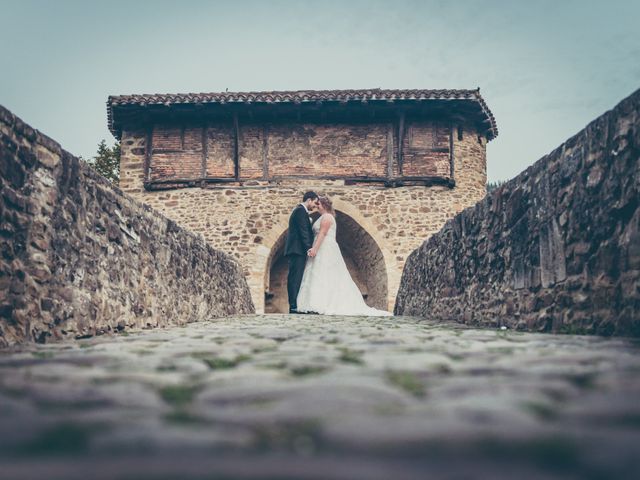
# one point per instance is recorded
(276, 366)
(219, 363)
(266, 348)
(573, 330)
(543, 411)
(167, 368)
(304, 370)
(501, 350)
(143, 351)
(179, 395)
(43, 355)
(215, 363)
(407, 381)
(456, 356)
(183, 417)
(350, 356)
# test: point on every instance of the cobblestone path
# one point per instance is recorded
(313, 397)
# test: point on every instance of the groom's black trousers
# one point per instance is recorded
(294, 279)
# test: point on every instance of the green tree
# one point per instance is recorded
(491, 186)
(107, 161)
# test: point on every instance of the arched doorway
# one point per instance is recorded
(275, 296)
(361, 253)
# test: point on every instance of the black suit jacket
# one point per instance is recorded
(300, 235)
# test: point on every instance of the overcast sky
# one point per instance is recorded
(545, 68)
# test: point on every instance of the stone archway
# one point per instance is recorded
(275, 296)
(364, 258)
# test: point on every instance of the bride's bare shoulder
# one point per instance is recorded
(326, 219)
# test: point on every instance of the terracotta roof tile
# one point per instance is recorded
(302, 96)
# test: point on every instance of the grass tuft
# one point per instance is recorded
(305, 370)
(220, 363)
(542, 411)
(179, 395)
(407, 381)
(350, 356)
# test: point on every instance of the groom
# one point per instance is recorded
(299, 240)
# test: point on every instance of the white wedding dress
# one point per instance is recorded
(327, 287)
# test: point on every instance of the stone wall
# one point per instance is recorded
(79, 258)
(555, 249)
(249, 221)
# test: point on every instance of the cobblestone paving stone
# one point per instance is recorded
(314, 397)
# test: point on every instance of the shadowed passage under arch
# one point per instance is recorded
(361, 253)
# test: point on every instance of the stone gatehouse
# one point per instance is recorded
(231, 166)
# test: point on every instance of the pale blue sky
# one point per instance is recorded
(545, 68)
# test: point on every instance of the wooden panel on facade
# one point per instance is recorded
(176, 152)
(426, 149)
(251, 152)
(192, 139)
(220, 146)
(359, 150)
(320, 150)
(179, 165)
(167, 138)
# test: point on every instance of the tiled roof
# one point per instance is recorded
(302, 96)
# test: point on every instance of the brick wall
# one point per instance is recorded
(280, 150)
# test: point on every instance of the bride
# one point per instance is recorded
(327, 287)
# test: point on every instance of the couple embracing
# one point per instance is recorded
(318, 280)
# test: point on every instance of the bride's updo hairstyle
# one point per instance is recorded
(327, 204)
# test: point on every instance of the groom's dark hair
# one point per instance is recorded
(309, 195)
